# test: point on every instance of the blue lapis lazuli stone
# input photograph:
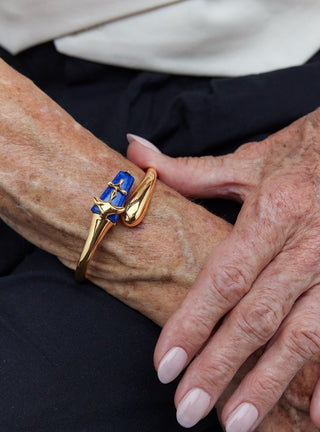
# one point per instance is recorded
(120, 198)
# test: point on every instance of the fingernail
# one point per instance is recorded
(242, 419)
(143, 141)
(193, 407)
(172, 364)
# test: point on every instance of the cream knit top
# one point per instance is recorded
(196, 37)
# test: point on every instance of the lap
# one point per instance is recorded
(74, 358)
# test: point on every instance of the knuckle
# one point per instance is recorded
(199, 323)
(215, 374)
(196, 164)
(243, 149)
(195, 167)
(269, 388)
(230, 283)
(304, 341)
(259, 322)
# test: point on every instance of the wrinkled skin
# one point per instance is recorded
(48, 176)
(264, 276)
(291, 413)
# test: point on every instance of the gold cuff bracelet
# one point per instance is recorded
(112, 203)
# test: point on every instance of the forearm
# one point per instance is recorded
(50, 168)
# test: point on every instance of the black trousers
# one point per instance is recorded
(77, 360)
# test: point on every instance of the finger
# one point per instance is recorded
(248, 327)
(315, 405)
(297, 341)
(225, 279)
(267, 221)
(201, 177)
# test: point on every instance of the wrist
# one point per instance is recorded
(152, 267)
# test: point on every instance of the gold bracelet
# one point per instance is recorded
(112, 203)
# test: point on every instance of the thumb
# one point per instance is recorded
(198, 177)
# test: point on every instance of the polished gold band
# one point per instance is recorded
(132, 213)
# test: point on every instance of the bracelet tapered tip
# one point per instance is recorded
(138, 202)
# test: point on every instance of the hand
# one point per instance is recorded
(263, 278)
(50, 169)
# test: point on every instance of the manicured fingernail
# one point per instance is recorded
(172, 364)
(143, 141)
(242, 419)
(193, 407)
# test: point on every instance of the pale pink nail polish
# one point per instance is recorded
(172, 364)
(143, 141)
(243, 418)
(193, 407)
